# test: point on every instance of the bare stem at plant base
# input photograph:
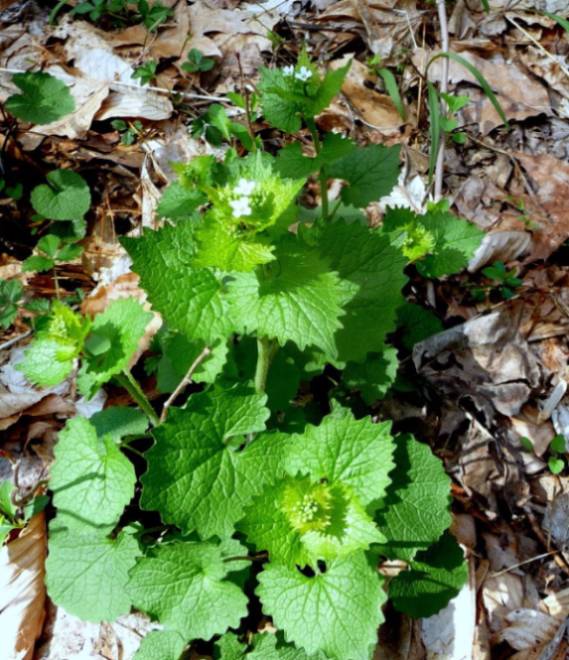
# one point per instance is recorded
(266, 350)
(439, 169)
(127, 380)
(184, 382)
(322, 175)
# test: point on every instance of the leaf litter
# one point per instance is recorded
(488, 383)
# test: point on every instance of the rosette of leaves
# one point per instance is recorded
(245, 216)
(298, 92)
(51, 356)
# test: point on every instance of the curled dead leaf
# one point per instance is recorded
(22, 590)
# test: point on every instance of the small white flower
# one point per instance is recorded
(244, 187)
(240, 207)
(304, 74)
(288, 70)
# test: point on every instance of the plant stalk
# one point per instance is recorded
(266, 350)
(133, 388)
(322, 174)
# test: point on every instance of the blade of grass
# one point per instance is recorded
(479, 78)
(393, 91)
(434, 105)
(485, 5)
(563, 22)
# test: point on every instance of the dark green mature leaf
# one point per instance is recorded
(119, 421)
(373, 270)
(416, 509)
(288, 97)
(87, 573)
(435, 577)
(371, 173)
(297, 298)
(196, 477)
(195, 305)
(374, 376)
(44, 99)
(66, 196)
(179, 201)
(292, 162)
(336, 612)
(183, 584)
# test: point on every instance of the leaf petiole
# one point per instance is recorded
(266, 350)
(127, 380)
(322, 174)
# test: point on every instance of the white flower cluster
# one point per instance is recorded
(241, 206)
(303, 74)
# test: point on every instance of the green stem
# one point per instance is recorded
(133, 388)
(322, 178)
(266, 350)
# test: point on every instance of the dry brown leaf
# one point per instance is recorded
(550, 180)
(22, 590)
(375, 109)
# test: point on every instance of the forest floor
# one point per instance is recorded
(487, 390)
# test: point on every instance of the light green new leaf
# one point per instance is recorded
(119, 421)
(161, 645)
(373, 269)
(371, 173)
(194, 305)
(296, 298)
(233, 242)
(300, 523)
(184, 586)
(120, 327)
(336, 612)
(91, 479)
(87, 573)
(48, 362)
(7, 506)
(435, 577)
(44, 99)
(50, 358)
(178, 202)
(415, 511)
(66, 196)
(199, 480)
(441, 241)
(355, 453)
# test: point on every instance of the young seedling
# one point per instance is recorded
(11, 293)
(145, 72)
(557, 450)
(130, 132)
(504, 282)
(197, 62)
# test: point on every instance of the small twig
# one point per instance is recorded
(14, 340)
(160, 90)
(184, 382)
(563, 68)
(439, 169)
(523, 563)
